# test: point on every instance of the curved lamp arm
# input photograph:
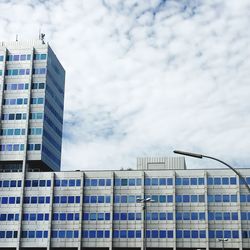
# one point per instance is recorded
(200, 156)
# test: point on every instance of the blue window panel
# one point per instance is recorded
(92, 216)
(31, 234)
(148, 233)
(248, 215)
(154, 216)
(124, 182)
(117, 199)
(233, 181)
(13, 184)
(6, 183)
(210, 181)
(39, 234)
(162, 216)
(69, 234)
(138, 182)
(70, 216)
(234, 216)
(123, 234)
(93, 182)
(178, 198)
(155, 198)
(163, 181)
(219, 234)
(108, 182)
(12, 200)
(210, 198)
(100, 216)
(217, 198)
(61, 234)
(32, 217)
(186, 234)
(211, 234)
(194, 234)
(48, 183)
(87, 182)
(186, 216)
(178, 181)
(170, 234)
(10, 217)
(116, 216)
(57, 183)
(123, 216)
(131, 199)
(194, 216)
(185, 181)
(86, 199)
(225, 198)
(9, 234)
(235, 234)
(46, 216)
(147, 182)
(193, 181)
(42, 183)
(202, 234)
(107, 216)
(243, 216)
(85, 234)
(169, 216)
(3, 217)
(41, 199)
(117, 182)
(244, 234)
(202, 216)
(93, 199)
(85, 216)
(64, 183)
(2, 234)
(131, 182)
(100, 199)
(54, 234)
(138, 216)
(178, 216)
(116, 234)
(163, 234)
(106, 234)
(131, 234)
(194, 198)
(123, 199)
(76, 234)
(178, 234)
(99, 234)
(148, 216)
(47, 199)
(210, 216)
(233, 198)
(227, 234)
(225, 181)
(162, 198)
(217, 181)
(34, 183)
(218, 216)
(101, 182)
(248, 180)
(62, 216)
(186, 198)
(154, 182)
(169, 181)
(154, 234)
(16, 217)
(131, 216)
(202, 198)
(201, 181)
(138, 234)
(78, 183)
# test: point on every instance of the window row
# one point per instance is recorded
(190, 216)
(12, 131)
(65, 216)
(1, 58)
(221, 181)
(97, 182)
(37, 100)
(161, 198)
(159, 234)
(11, 147)
(34, 234)
(15, 101)
(245, 198)
(39, 71)
(40, 56)
(126, 198)
(38, 183)
(36, 116)
(245, 234)
(96, 216)
(40, 85)
(127, 216)
(222, 216)
(36, 200)
(68, 183)
(51, 155)
(245, 215)
(189, 181)
(14, 116)
(226, 234)
(128, 182)
(222, 198)
(53, 111)
(8, 234)
(10, 183)
(35, 131)
(22, 57)
(16, 72)
(64, 234)
(35, 217)
(127, 234)
(9, 200)
(189, 198)
(16, 86)
(54, 96)
(96, 199)
(52, 125)
(66, 199)
(33, 147)
(9, 217)
(159, 216)
(191, 234)
(52, 141)
(158, 181)
(95, 234)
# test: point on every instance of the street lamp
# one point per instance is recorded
(144, 208)
(222, 241)
(200, 156)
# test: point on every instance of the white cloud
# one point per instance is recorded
(145, 77)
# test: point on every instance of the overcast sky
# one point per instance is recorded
(146, 77)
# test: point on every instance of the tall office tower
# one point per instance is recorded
(32, 103)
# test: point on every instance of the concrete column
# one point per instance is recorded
(239, 214)
(206, 209)
(174, 213)
(112, 209)
(80, 224)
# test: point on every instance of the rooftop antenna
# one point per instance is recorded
(16, 37)
(41, 36)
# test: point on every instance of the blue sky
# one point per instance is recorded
(146, 77)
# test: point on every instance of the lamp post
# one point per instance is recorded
(144, 208)
(222, 241)
(200, 156)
